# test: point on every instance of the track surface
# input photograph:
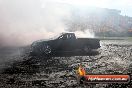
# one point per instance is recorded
(19, 69)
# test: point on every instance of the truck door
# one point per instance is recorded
(66, 42)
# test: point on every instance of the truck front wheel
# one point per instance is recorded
(87, 49)
(40, 50)
(46, 49)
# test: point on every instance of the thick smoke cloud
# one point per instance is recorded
(24, 21)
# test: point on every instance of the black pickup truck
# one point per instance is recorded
(66, 42)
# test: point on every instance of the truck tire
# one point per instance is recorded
(46, 49)
(87, 49)
(41, 50)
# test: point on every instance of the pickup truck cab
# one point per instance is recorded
(66, 42)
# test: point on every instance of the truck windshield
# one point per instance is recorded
(57, 36)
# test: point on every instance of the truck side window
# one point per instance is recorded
(67, 36)
(73, 37)
(64, 37)
(70, 36)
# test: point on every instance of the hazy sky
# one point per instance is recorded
(24, 21)
(124, 5)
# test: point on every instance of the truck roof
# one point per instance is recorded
(67, 33)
